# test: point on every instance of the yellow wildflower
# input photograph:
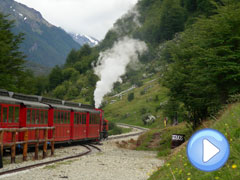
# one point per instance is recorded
(188, 178)
(234, 166)
(189, 174)
(216, 177)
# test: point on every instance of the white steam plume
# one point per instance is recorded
(112, 65)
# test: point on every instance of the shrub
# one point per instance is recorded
(130, 96)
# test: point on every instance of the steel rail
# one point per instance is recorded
(50, 162)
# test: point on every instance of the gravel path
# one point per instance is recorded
(112, 163)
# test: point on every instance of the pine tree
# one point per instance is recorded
(11, 59)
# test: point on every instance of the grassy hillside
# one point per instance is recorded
(177, 165)
(147, 99)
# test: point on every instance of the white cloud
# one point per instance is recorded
(91, 17)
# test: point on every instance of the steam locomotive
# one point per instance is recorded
(72, 121)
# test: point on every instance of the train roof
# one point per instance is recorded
(30, 100)
(43, 102)
(6, 97)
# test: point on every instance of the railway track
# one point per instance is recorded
(89, 148)
(129, 134)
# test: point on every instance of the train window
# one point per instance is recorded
(55, 116)
(33, 116)
(35, 120)
(5, 114)
(83, 118)
(46, 117)
(62, 118)
(16, 115)
(29, 116)
(10, 114)
(42, 117)
(65, 117)
(75, 118)
(68, 117)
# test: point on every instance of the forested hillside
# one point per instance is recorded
(193, 48)
(13, 77)
(193, 44)
(44, 43)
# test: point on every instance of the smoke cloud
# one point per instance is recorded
(112, 63)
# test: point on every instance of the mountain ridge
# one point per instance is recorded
(44, 43)
(83, 39)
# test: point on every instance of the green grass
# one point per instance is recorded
(163, 142)
(54, 166)
(178, 167)
(119, 130)
(132, 112)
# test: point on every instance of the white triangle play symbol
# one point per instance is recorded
(209, 150)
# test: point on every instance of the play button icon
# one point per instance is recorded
(208, 150)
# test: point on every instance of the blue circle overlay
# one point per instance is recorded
(195, 149)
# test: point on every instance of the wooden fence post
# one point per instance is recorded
(37, 144)
(25, 145)
(45, 143)
(13, 147)
(52, 143)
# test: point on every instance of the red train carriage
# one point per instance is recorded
(94, 125)
(73, 121)
(79, 130)
(9, 113)
(33, 114)
(60, 117)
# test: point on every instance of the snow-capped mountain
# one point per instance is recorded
(43, 43)
(84, 39)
